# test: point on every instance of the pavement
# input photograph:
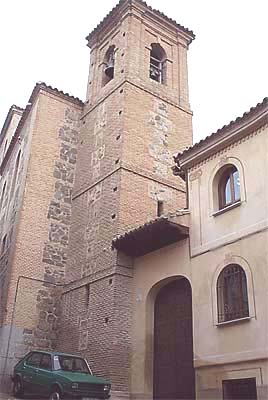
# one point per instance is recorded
(6, 396)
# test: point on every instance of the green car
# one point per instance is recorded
(57, 376)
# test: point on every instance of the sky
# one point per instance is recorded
(44, 40)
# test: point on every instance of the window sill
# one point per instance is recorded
(227, 208)
(233, 321)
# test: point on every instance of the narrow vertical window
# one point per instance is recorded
(87, 293)
(2, 199)
(160, 208)
(15, 174)
(4, 244)
(157, 69)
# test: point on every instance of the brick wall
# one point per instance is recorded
(42, 219)
(131, 127)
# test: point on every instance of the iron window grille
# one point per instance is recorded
(232, 297)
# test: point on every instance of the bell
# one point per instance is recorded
(109, 69)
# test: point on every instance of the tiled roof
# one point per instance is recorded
(39, 86)
(12, 109)
(167, 217)
(152, 235)
(109, 17)
(67, 96)
(231, 125)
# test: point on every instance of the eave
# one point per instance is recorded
(227, 135)
(151, 236)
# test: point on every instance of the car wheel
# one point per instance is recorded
(18, 388)
(55, 394)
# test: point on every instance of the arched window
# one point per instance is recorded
(232, 296)
(229, 187)
(109, 60)
(158, 63)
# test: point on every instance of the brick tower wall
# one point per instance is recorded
(130, 129)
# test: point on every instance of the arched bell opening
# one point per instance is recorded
(157, 63)
(108, 65)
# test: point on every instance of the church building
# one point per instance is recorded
(123, 241)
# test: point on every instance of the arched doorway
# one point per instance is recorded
(173, 375)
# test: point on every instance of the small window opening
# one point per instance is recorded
(15, 174)
(87, 293)
(160, 208)
(158, 63)
(4, 244)
(110, 281)
(109, 61)
(106, 320)
(3, 195)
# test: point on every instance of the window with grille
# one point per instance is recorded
(239, 389)
(232, 296)
(229, 187)
(158, 63)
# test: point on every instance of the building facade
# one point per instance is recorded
(200, 303)
(111, 251)
(37, 174)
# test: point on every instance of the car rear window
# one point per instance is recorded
(72, 364)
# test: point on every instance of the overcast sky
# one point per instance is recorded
(44, 40)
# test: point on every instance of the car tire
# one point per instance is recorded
(55, 394)
(18, 388)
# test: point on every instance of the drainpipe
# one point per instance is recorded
(13, 313)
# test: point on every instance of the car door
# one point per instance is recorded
(30, 373)
(45, 374)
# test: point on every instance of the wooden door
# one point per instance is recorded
(173, 342)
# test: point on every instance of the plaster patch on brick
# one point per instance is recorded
(101, 119)
(158, 147)
(89, 268)
(98, 155)
(159, 192)
(83, 340)
(96, 171)
(160, 169)
(161, 108)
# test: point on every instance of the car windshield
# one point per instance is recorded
(71, 364)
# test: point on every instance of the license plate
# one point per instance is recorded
(88, 398)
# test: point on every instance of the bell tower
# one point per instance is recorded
(136, 116)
